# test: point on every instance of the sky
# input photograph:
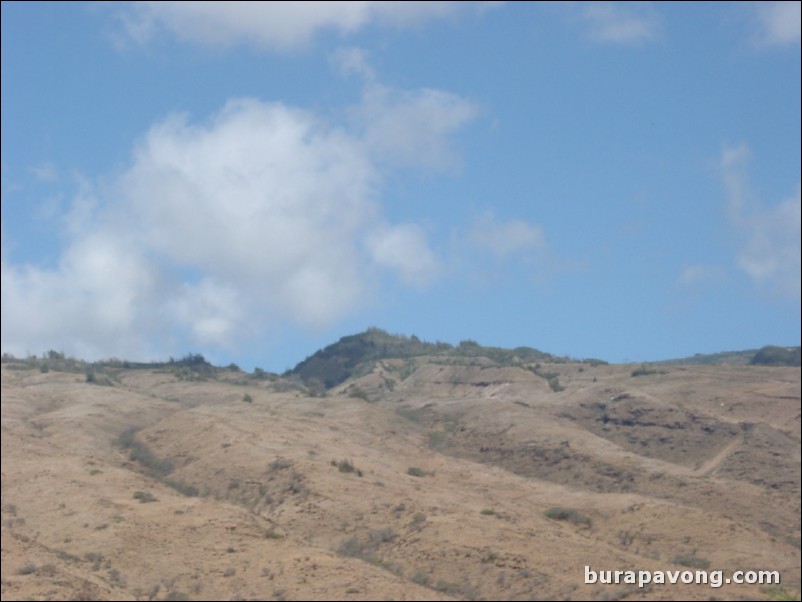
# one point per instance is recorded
(252, 181)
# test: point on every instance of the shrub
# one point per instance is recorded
(368, 550)
(144, 497)
(28, 569)
(568, 514)
(487, 511)
(554, 384)
(282, 463)
(247, 398)
(692, 562)
(358, 393)
(417, 521)
(182, 488)
(416, 472)
(644, 371)
(420, 577)
(141, 453)
(345, 466)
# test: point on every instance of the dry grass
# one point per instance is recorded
(523, 487)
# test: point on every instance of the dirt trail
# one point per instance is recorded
(708, 466)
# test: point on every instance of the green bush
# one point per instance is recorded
(144, 497)
(346, 466)
(568, 514)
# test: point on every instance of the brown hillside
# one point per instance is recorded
(419, 480)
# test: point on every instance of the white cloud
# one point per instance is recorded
(779, 22)
(275, 25)
(91, 304)
(261, 215)
(769, 234)
(693, 274)
(694, 278)
(45, 172)
(210, 310)
(412, 127)
(619, 22)
(403, 248)
(487, 250)
(353, 61)
(504, 239)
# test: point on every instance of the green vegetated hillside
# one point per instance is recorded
(776, 356)
(770, 355)
(357, 354)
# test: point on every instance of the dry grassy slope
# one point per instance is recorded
(700, 462)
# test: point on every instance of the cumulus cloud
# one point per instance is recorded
(274, 25)
(779, 22)
(769, 234)
(259, 215)
(619, 22)
(92, 303)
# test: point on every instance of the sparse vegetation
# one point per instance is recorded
(347, 466)
(182, 488)
(778, 593)
(28, 569)
(279, 464)
(646, 371)
(66, 556)
(553, 378)
(568, 514)
(367, 549)
(693, 562)
(421, 577)
(141, 453)
(144, 497)
(357, 393)
(418, 520)
(414, 415)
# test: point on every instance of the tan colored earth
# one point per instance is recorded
(419, 481)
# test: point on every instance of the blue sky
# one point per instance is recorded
(252, 181)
